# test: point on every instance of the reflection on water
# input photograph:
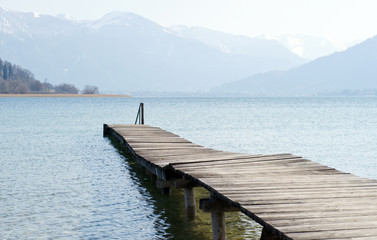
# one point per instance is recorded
(170, 208)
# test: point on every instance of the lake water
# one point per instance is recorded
(60, 179)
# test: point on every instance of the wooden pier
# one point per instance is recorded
(291, 197)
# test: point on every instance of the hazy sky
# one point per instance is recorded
(338, 19)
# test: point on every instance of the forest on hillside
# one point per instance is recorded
(15, 79)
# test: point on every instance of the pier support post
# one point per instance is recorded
(190, 202)
(218, 225)
(188, 186)
(217, 208)
(218, 221)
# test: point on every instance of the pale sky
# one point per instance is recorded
(344, 20)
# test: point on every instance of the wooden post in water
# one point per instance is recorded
(218, 225)
(217, 208)
(190, 201)
(218, 222)
(188, 186)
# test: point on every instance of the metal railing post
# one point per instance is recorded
(140, 114)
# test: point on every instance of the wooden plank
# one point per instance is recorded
(251, 202)
(291, 179)
(249, 167)
(237, 187)
(244, 161)
(244, 197)
(272, 174)
(315, 214)
(193, 157)
(324, 190)
(135, 127)
(256, 179)
(156, 145)
(325, 226)
(146, 133)
(175, 160)
(321, 205)
(162, 150)
(154, 134)
(326, 220)
(157, 140)
(174, 152)
(237, 158)
(334, 234)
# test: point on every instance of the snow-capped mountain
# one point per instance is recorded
(27, 24)
(124, 51)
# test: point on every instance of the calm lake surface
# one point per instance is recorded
(60, 179)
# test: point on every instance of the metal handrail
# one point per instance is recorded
(140, 114)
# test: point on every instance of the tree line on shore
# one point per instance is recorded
(17, 80)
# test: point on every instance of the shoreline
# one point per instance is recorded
(63, 95)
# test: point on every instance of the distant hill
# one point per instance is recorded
(350, 70)
(126, 52)
(15, 79)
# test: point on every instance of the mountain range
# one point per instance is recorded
(125, 52)
(350, 70)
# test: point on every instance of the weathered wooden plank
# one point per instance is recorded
(345, 233)
(293, 179)
(145, 132)
(302, 190)
(312, 192)
(261, 179)
(193, 157)
(244, 167)
(218, 156)
(272, 174)
(163, 148)
(157, 140)
(246, 203)
(174, 152)
(134, 127)
(325, 226)
(355, 238)
(237, 158)
(157, 145)
(243, 198)
(310, 207)
(169, 150)
(325, 220)
(307, 215)
(245, 187)
(178, 150)
(246, 161)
